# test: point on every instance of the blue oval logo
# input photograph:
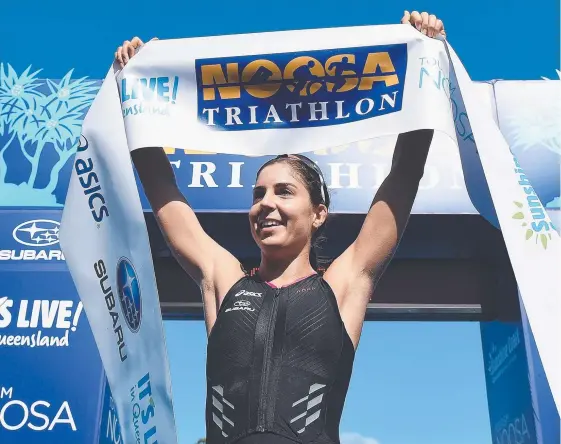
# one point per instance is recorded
(129, 294)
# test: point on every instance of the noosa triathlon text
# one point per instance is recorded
(301, 89)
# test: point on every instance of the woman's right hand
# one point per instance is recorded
(127, 50)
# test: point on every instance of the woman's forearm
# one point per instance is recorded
(156, 174)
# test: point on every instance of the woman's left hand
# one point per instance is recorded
(428, 24)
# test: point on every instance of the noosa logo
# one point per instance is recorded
(16, 414)
(90, 183)
(301, 89)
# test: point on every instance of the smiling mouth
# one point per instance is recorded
(268, 224)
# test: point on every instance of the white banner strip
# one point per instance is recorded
(530, 237)
(105, 241)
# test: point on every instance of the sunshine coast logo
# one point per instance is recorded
(500, 358)
(301, 89)
(536, 221)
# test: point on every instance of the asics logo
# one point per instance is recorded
(248, 293)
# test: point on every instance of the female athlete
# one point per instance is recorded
(281, 343)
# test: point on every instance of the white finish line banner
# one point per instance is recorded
(285, 92)
(266, 94)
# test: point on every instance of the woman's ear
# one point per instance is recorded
(321, 215)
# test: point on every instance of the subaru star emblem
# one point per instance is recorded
(129, 293)
(37, 233)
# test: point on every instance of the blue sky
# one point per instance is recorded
(508, 39)
(414, 383)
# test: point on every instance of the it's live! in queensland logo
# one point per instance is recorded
(143, 411)
(148, 95)
(301, 89)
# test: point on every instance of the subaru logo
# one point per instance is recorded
(37, 233)
(242, 304)
(129, 294)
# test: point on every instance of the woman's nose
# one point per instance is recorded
(268, 200)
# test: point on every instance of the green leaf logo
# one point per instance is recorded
(541, 238)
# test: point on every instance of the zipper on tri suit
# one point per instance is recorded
(265, 385)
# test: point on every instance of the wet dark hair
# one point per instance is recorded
(312, 178)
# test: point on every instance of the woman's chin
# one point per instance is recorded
(271, 242)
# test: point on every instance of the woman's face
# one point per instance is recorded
(282, 216)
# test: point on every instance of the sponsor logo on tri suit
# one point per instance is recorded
(305, 289)
(241, 305)
(248, 293)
